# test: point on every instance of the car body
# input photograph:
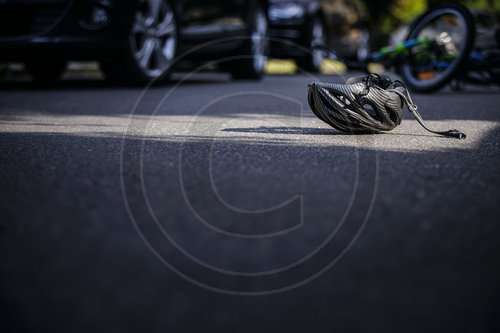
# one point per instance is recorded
(47, 33)
(295, 27)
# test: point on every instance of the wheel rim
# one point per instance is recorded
(154, 37)
(318, 38)
(259, 41)
(436, 27)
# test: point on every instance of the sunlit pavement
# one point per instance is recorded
(212, 205)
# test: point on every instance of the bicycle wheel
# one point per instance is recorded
(445, 36)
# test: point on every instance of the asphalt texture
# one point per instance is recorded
(210, 205)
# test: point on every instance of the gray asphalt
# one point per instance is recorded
(210, 205)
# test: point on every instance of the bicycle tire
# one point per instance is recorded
(432, 85)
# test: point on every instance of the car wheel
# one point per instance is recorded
(151, 45)
(255, 49)
(316, 35)
(46, 71)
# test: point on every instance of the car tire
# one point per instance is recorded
(150, 48)
(316, 35)
(251, 60)
(46, 71)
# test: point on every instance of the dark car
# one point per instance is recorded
(295, 27)
(134, 40)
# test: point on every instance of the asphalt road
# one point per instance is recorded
(210, 205)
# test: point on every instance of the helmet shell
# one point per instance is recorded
(361, 107)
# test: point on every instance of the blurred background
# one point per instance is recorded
(352, 28)
(356, 26)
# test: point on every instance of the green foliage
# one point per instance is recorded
(387, 15)
(407, 10)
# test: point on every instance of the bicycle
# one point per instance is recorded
(438, 50)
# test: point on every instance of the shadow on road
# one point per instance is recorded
(189, 97)
(314, 131)
(75, 83)
(433, 234)
(285, 130)
(68, 236)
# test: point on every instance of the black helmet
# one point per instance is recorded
(364, 105)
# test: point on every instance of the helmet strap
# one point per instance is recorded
(412, 107)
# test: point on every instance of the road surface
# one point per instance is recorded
(210, 205)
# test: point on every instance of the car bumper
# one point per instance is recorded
(66, 36)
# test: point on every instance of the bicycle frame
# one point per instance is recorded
(392, 52)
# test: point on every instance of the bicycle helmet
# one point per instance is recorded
(368, 104)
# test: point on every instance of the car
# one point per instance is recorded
(135, 41)
(295, 28)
